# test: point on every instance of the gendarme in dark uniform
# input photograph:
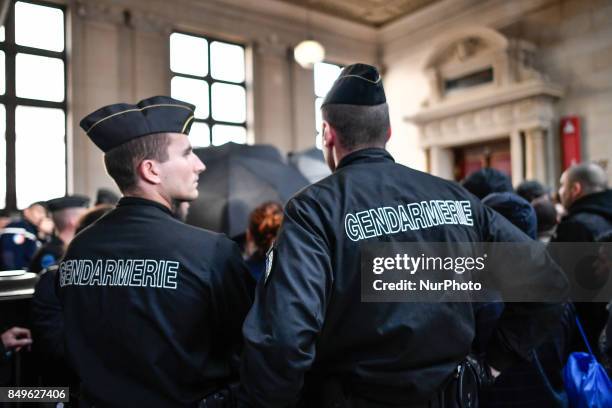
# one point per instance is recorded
(19, 242)
(153, 307)
(308, 325)
(51, 252)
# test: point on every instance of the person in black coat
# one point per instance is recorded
(538, 382)
(47, 317)
(310, 338)
(585, 195)
(153, 307)
(485, 181)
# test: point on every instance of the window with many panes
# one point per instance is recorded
(32, 104)
(325, 74)
(210, 74)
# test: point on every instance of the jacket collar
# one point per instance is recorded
(127, 201)
(367, 155)
(598, 203)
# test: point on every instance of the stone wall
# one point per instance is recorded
(574, 49)
(111, 59)
(119, 51)
(574, 38)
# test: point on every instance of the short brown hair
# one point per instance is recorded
(358, 125)
(122, 161)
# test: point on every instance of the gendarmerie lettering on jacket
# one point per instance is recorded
(388, 220)
(149, 273)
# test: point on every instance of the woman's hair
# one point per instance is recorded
(264, 223)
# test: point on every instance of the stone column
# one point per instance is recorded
(516, 157)
(94, 73)
(552, 157)
(273, 90)
(303, 98)
(535, 154)
(442, 162)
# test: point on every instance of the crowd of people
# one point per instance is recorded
(579, 212)
(134, 307)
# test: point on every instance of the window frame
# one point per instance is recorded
(210, 80)
(10, 100)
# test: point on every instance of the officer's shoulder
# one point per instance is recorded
(197, 232)
(312, 192)
(198, 236)
(16, 224)
(329, 184)
(432, 185)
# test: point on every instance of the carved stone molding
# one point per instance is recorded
(100, 11)
(271, 45)
(487, 122)
(514, 97)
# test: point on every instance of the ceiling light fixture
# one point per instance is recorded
(308, 52)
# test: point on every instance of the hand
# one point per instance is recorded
(16, 338)
(45, 227)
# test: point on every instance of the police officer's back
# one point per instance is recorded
(153, 307)
(309, 332)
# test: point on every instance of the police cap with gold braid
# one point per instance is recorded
(70, 201)
(358, 84)
(114, 125)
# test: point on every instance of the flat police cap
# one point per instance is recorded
(71, 201)
(114, 125)
(358, 84)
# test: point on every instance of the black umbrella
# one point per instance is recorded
(237, 179)
(310, 163)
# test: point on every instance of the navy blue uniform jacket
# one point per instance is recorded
(152, 307)
(308, 319)
(18, 244)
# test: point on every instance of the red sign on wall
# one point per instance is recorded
(570, 140)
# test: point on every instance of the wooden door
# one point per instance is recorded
(471, 158)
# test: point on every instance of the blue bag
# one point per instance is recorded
(586, 382)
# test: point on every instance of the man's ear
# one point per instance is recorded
(329, 135)
(149, 171)
(388, 134)
(576, 189)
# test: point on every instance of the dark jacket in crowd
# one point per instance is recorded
(485, 181)
(309, 323)
(18, 243)
(48, 333)
(516, 210)
(47, 255)
(587, 219)
(153, 308)
(529, 384)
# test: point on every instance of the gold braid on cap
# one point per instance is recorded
(159, 105)
(189, 119)
(360, 77)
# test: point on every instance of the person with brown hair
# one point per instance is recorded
(264, 223)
